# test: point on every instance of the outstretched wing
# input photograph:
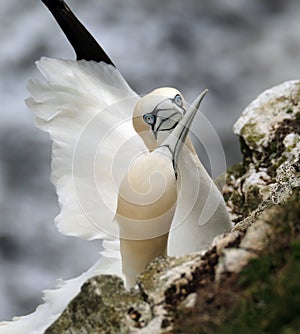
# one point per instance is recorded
(86, 107)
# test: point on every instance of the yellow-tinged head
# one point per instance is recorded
(157, 114)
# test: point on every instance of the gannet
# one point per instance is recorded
(87, 108)
(148, 196)
(87, 100)
(208, 215)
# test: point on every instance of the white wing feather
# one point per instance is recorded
(86, 107)
(200, 213)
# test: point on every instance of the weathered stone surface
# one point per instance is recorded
(264, 296)
(233, 260)
(257, 236)
(269, 131)
(224, 241)
(103, 306)
(269, 119)
(258, 192)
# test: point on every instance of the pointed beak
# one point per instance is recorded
(176, 139)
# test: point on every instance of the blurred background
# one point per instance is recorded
(236, 48)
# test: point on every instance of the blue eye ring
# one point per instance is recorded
(178, 100)
(149, 119)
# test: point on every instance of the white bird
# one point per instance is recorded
(58, 106)
(93, 118)
(208, 216)
(147, 198)
(201, 212)
(87, 109)
(90, 113)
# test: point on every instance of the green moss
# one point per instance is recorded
(269, 301)
(234, 197)
(265, 296)
(278, 163)
(103, 306)
(235, 171)
(289, 111)
(249, 132)
(272, 301)
(253, 198)
(246, 151)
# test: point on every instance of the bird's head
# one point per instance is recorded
(175, 140)
(157, 114)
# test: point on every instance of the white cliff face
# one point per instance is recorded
(220, 45)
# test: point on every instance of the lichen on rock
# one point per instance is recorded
(103, 306)
(246, 274)
(274, 109)
(269, 130)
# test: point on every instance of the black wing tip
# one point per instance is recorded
(83, 43)
(54, 4)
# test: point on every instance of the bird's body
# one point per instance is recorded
(146, 206)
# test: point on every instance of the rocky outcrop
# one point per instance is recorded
(246, 273)
(269, 132)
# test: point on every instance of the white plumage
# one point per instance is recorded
(83, 105)
(201, 212)
(87, 108)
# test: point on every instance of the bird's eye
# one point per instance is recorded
(178, 100)
(149, 119)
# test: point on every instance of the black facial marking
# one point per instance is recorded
(177, 100)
